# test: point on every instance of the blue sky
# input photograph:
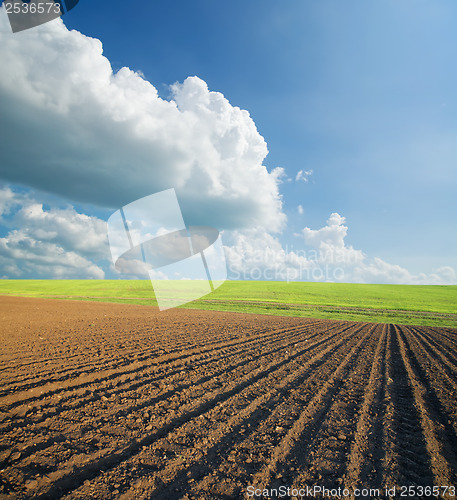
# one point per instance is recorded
(358, 96)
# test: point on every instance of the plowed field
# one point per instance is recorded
(101, 401)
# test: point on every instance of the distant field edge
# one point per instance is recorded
(422, 305)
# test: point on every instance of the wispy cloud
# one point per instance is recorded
(303, 175)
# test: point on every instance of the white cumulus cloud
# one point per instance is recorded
(24, 257)
(330, 242)
(49, 243)
(379, 271)
(322, 255)
(256, 254)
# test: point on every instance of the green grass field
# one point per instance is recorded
(402, 304)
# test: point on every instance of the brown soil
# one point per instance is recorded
(102, 401)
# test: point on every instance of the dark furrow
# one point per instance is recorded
(441, 441)
(364, 464)
(305, 427)
(445, 335)
(446, 380)
(445, 356)
(406, 461)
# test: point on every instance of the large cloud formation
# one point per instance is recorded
(71, 126)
